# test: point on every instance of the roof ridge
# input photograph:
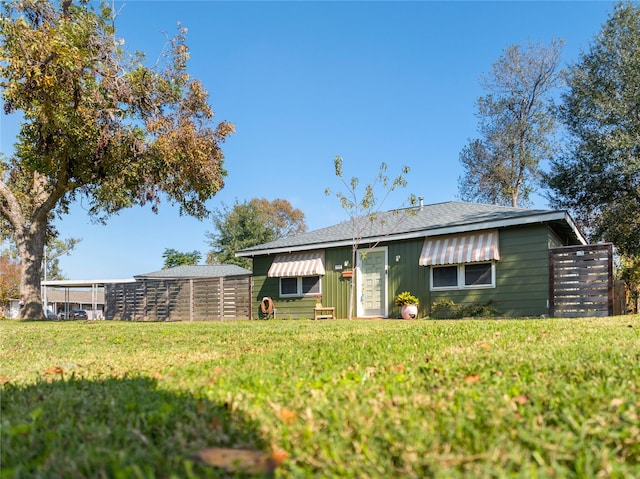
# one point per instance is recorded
(436, 218)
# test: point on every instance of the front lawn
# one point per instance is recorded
(494, 398)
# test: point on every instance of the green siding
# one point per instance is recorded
(406, 275)
(522, 278)
(335, 289)
(522, 275)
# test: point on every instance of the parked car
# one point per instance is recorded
(78, 314)
(50, 314)
(75, 314)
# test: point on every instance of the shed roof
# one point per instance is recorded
(429, 220)
(196, 271)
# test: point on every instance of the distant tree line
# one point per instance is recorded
(242, 225)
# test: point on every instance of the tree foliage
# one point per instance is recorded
(98, 123)
(174, 258)
(516, 121)
(54, 251)
(9, 281)
(364, 205)
(598, 178)
(251, 223)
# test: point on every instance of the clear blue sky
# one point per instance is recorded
(306, 81)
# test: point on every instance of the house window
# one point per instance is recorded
(444, 276)
(463, 276)
(288, 286)
(300, 286)
(477, 274)
(310, 285)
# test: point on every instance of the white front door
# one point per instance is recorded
(372, 283)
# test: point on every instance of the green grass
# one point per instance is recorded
(521, 398)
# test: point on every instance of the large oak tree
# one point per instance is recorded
(98, 123)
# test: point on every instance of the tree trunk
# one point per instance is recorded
(352, 280)
(30, 243)
(30, 227)
(351, 288)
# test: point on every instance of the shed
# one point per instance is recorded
(183, 293)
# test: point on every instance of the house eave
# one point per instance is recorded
(524, 220)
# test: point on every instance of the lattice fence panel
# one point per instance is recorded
(581, 281)
(198, 299)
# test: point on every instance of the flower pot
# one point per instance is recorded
(409, 311)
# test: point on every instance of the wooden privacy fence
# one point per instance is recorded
(194, 299)
(581, 281)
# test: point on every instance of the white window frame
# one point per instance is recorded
(299, 293)
(461, 277)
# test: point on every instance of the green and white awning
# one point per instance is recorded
(307, 263)
(461, 248)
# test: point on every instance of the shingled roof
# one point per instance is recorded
(428, 220)
(196, 271)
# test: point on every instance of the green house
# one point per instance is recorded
(471, 254)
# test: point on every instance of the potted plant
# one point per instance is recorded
(409, 305)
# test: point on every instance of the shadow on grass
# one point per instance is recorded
(114, 428)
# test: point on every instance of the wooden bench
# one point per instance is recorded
(320, 312)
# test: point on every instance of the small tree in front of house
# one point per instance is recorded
(364, 205)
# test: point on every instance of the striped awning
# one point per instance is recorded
(308, 263)
(463, 248)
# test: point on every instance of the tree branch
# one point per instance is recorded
(10, 207)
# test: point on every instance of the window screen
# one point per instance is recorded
(288, 285)
(477, 274)
(310, 284)
(445, 276)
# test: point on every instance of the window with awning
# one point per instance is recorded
(459, 249)
(291, 265)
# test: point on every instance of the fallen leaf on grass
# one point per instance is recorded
(521, 399)
(472, 378)
(279, 455)
(615, 402)
(287, 415)
(485, 346)
(242, 460)
(54, 370)
(4, 379)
